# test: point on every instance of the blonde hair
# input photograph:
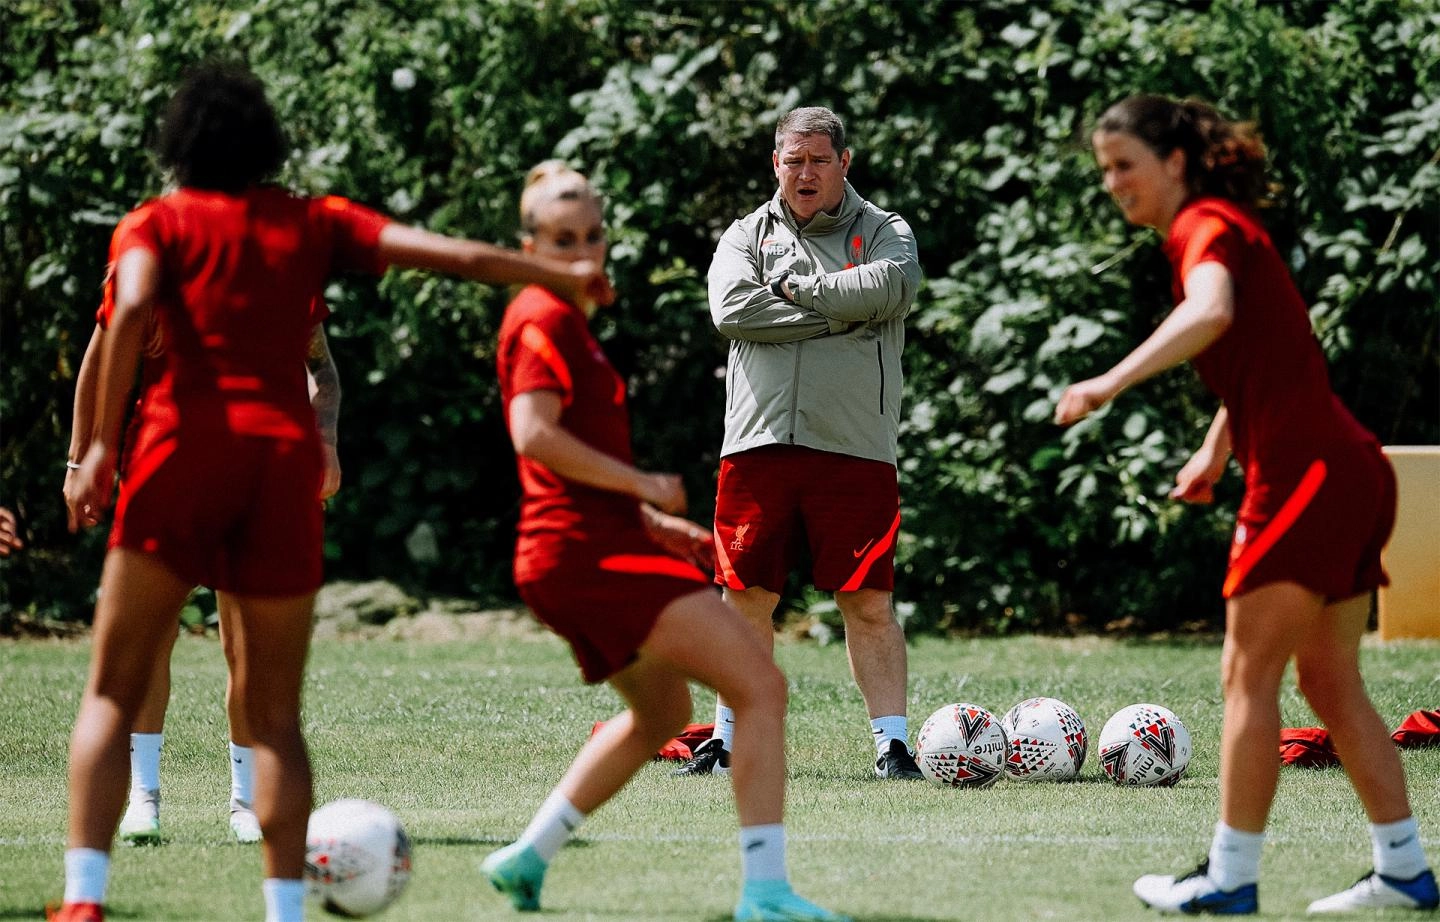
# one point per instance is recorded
(549, 181)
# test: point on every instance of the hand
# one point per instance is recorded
(90, 490)
(1195, 483)
(589, 286)
(681, 538)
(330, 485)
(1081, 399)
(665, 492)
(9, 533)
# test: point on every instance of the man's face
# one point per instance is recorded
(811, 174)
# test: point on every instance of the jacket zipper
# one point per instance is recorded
(880, 357)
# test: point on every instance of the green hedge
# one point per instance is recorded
(968, 118)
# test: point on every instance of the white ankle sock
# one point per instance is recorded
(1235, 857)
(87, 870)
(145, 762)
(1396, 849)
(284, 899)
(554, 823)
(242, 774)
(762, 852)
(885, 729)
(724, 726)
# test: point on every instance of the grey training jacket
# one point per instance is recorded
(823, 372)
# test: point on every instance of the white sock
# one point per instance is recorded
(145, 763)
(885, 729)
(1235, 857)
(284, 899)
(724, 726)
(554, 823)
(242, 775)
(1396, 849)
(87, 870)
(762, 852)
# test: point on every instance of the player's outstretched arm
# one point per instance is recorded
(580, 283)
(1196, 322)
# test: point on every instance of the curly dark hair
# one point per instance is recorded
(219, 131)
(1222, 158)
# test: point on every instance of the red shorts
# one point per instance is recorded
(236, 513)
(1320, 523)
(768, 500)
(604, 598)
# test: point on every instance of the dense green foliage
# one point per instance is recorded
(970, 119)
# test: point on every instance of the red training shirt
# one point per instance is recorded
(546, 344)
(1267, 367)
(241, 283)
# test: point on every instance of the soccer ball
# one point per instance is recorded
(357, 857)
(961, 746)
(1144, 745)
(1047, 740)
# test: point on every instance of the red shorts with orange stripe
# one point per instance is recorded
(771, 499)
(604, 598)
(1320, 523)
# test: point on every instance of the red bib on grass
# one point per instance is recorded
(1307, 747)
(680, 749)
(1421, 728)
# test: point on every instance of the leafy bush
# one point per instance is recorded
(969, 119)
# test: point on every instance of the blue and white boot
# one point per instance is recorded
(1196, 893)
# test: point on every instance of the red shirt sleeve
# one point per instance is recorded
(537, 362)
(139, 228)
(1199, 236)
(356, 235)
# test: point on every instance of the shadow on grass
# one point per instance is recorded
(474, 840)
(862, 917)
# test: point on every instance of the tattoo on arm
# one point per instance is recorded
(326, 400)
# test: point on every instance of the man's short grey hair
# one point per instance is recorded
(811, 120)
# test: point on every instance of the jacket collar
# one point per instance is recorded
(823, 221)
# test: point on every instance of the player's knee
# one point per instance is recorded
(769, 688)
(1328, 688)
(866, 610)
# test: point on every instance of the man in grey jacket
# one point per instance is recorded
(812, 290)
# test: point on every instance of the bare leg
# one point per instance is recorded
(699, 637)
(151, 717)
(140, 600)
(268, 673)
(1328, 666)
(230, 641)
(757, 605)
(876, 644)
(1263, 628)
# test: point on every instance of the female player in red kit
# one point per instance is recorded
(1319, 496)
(222, 482)
(604, 560)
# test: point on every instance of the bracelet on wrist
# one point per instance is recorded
(72, 465)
